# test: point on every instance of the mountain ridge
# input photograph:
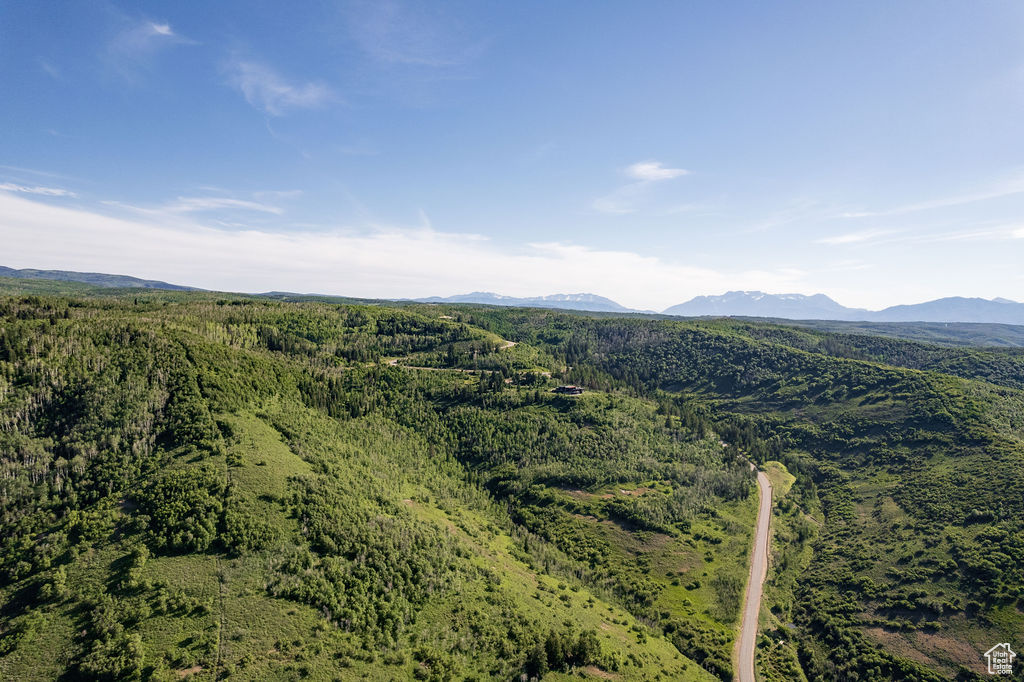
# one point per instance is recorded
(95, 278)
(821, 307)
(950, 309)
(760, 304)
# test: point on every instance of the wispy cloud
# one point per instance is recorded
(854, 237)
(797, 210)
(42, 191)
(989, 234)
(264, 88)
(382, 262)
(196, 204)
(413, 52)
(879, 237)
(403, 33)
(278, 193)
(130, 53)
(998, 190)
(177, 211)
(626, 198)
(50, 70)
(849, 266)
(32, 171)
(142, 39)
(652, 171)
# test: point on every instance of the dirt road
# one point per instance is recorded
(758, 569)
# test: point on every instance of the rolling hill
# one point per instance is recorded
(93, 278)
(205, 485)
(586, 302)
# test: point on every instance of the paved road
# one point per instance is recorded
(758, 569)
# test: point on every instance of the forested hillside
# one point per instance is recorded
(206, 486)
(917, 559)
(209, 488)
(941, 333)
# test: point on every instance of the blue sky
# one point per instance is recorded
(648, 152)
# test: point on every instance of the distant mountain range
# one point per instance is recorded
(956, 309)
(729, 304)
(779, 306)
(759, 304)
(588, 302)
(821, 307)
(95, 278)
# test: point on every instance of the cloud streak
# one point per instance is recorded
(388, 263)
(999, 190)
(50, 70)
(267, 90)
(198, 204)
(42, 191)
(626, 199)
(132, 48)
(652, 171)
(878, 237)
(403, 34)
(854, 237)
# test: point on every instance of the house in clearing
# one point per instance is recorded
(568, 390)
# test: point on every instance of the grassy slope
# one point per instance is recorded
(209, 613)
(239, 628)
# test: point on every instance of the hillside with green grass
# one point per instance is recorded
(206, 486)
(209, 489)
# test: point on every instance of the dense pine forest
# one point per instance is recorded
(207, 486)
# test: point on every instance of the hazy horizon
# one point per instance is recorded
(553, 295)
